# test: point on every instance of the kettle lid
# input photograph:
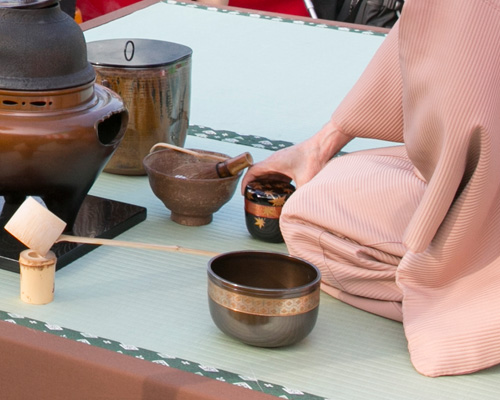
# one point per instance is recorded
(42, 48)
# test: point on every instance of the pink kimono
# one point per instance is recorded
(412, 232)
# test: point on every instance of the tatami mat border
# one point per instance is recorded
(290, 20)
(159, 358)
(235, 138)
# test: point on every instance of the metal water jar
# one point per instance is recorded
(153, 78)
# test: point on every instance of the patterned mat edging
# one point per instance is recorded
(235, 138)
(277, 19)
(160, 358)
(243, 140)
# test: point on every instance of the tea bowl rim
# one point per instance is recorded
(149, 168)
(311, 286)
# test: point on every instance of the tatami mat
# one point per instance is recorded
(157, 301)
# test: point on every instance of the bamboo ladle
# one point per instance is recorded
(39, 229)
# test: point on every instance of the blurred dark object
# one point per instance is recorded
(69, 7)
(381, 13)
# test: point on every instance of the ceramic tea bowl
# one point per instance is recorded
(263, 299)
(191, 201)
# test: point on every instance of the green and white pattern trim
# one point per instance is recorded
(243, 140)
(235, 138)
(274, 18)
(160, 358)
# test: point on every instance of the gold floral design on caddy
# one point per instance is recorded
(260, 222)
(263, 306)
(260, 211)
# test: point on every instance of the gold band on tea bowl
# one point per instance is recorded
(262, 211)
(263, 306)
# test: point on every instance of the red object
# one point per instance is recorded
(292, 7)
(94, 8)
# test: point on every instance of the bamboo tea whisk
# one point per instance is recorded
(208, 166)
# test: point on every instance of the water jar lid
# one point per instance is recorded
(135, 53)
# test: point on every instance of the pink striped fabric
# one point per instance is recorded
(412, 232)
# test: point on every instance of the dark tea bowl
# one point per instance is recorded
(263, 299)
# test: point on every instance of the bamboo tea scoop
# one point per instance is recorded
(39, 229)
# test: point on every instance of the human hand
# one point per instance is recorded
(301, 162)
(284, 165)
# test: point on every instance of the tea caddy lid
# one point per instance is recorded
(269, 192)
(135, 53)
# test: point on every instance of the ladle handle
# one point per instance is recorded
(136, 245)
(187, 151)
